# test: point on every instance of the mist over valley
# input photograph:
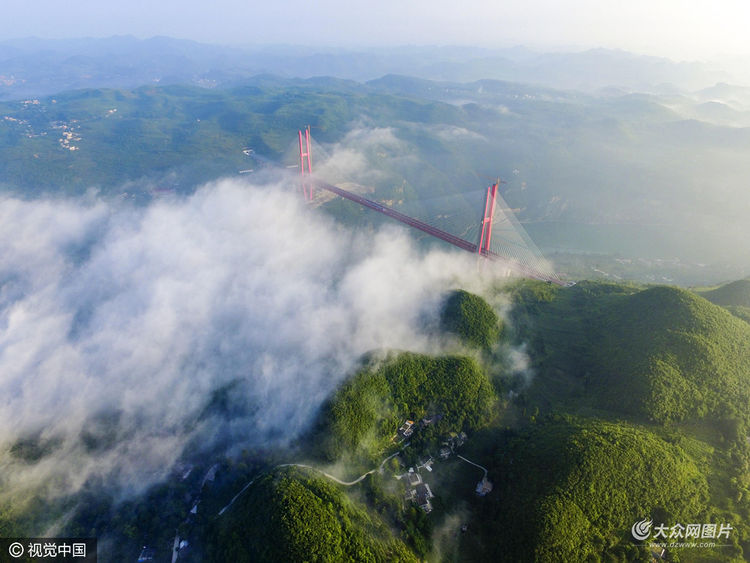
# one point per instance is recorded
(196, 364)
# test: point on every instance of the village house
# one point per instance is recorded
(424, 494)
(484, 487)
(406, 429)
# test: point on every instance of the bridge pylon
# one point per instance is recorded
(305, 164)
(489, 212)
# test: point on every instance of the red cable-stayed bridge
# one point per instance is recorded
(519, 255)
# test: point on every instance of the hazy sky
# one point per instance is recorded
(692, 29)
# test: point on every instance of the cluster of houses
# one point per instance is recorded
(449, 445)
(417, 491)
(406, 430)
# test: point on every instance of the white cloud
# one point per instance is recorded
(118, 323)
(351, 159)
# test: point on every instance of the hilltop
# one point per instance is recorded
(736, 293)
(393, 414)
(660, 354)
(289, 515)
(733, 296)
(362, 417)
(685, 358)
(469, 317)
(576, 486)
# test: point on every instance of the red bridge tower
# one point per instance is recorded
(489, 212)
(305, 164)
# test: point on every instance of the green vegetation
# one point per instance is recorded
(660, 354)
(654, 376)
(570, 489)
(470, 318)
(293, 514)
(290, 515)
(637, 406)
(736, 293)
(428, 151)
(685, 358)
(178, 137)
(362, 417)
(739, 312)
(733, 296)
(31, 450)
(638, 399)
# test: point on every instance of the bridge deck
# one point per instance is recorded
(437, 233)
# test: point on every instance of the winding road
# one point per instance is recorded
(331, 477)
(474, 464)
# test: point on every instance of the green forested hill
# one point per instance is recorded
(672, 356)
(364, 414)
(469, 317)
(736, 293)
(569, 490)
(104, 138)
(289, 515)
(660, 354)
(659, 381)
(636, 407)
(733, 296)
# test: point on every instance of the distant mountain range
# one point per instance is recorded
(644, 175)
(647, 159)
(36, 67)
